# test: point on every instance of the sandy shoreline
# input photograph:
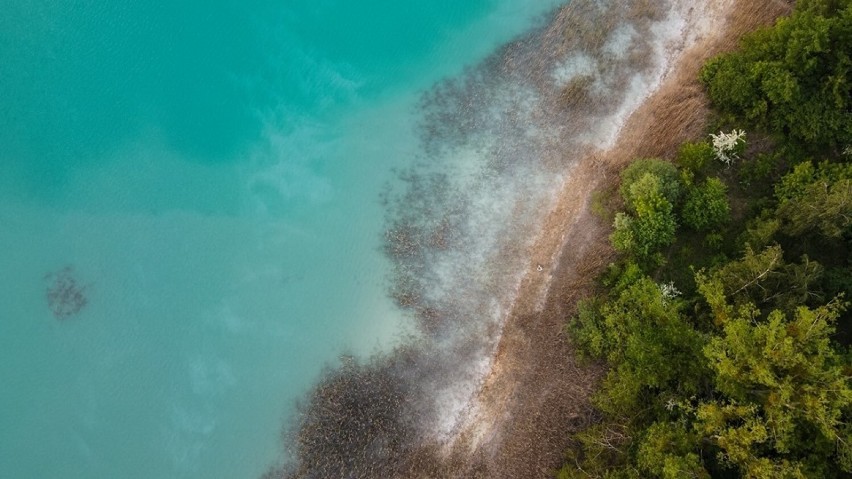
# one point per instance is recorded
(536, 394)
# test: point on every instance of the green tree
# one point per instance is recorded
(787, 393)
(652, 226)
(669, 450)
(670, 182)
(649, 342)
(706, 205)
(764, 279)
(742, 437)
(760, 231)
(816, 199)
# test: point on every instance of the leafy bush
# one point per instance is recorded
(727, 147)
(706, 205)
(670, 182)
(653, 224)
(695, 156)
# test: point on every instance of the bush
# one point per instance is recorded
(695, 156)
(706, 205)
(670, 182)
(653, 225)
(727, 147)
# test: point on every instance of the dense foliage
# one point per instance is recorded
(739, 374)
(651, 224)
(725, 323)
(707, 205)
(793, 78)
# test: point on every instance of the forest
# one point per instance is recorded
(725, 323)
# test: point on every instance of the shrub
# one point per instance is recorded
(728, 146)
(706, 205)
(695, 156)
(670, 182)
(653, 224)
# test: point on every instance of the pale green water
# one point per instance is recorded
(211, 171)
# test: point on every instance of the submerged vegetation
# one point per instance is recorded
(725, 323)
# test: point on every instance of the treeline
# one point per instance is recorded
(725, 323)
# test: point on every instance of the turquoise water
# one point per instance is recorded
(210, 173)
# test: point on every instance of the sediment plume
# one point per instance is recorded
(492, 242)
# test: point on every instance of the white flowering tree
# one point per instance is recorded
(727, 146)
(669, 291)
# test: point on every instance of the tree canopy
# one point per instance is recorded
(792, 78)
(728, 341)
(706, 205)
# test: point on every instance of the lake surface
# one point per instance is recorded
(190, 215)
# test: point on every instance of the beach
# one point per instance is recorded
(536, 393)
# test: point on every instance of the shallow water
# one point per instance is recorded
(207, 176)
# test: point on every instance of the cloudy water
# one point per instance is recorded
(192, 220)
